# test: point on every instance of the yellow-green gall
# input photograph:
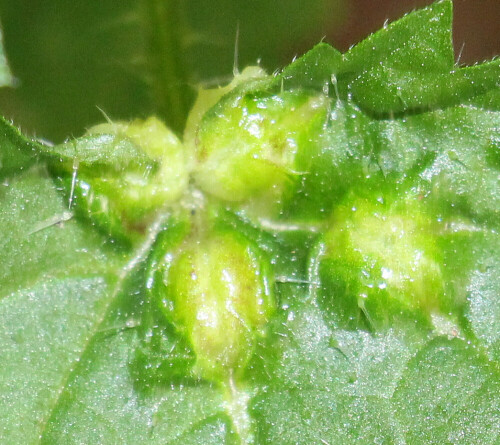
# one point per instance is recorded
(219, 296)
(379, 259)
(136, 191)
(120, 175)
(249, 145)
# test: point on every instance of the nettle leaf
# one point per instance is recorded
(487, 101)
(313, 263)
(314, 70)
(409, 65)
(419, 41)
(68, 325)
(465, 171)
(18, 152)
(52, 300)
(483, 307)
(383, 67)
(327, 385)
(447, 395)
(392, 90)
(112, 407)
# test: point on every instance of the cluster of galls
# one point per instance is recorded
(250, 152)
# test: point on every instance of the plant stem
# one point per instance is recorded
(172, 94)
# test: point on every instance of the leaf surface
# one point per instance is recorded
(86, 355)
(52, 299)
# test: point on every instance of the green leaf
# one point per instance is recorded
(314, 70)
(325, 384)
(38, 223)
(17, 151)
(42, 335)
(88, 356)
(446, 395)
(420, 41)
(483, 304)
(487, 101)
(409, 65)
(115, 410)
(363, 153)
(52, 299)
(399, 67)
(465, 172)
(68, 325)
(388, 90)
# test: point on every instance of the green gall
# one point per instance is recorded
(122, 173)
(140, 190)
(248, 145)
(208, 97)
(218, 295)
(377, 260)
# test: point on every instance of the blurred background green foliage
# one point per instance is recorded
(134, 58)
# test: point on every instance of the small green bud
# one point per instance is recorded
(379, 259)
(218, 295)
(249, 145)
